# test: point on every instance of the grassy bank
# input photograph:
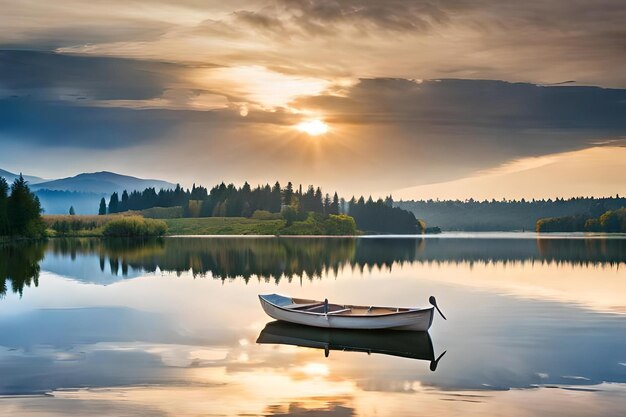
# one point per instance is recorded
(223, 226)
(312, 225)
(130, 224)
(116, 225)
(78, 226)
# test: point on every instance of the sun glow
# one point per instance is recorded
(312, 127)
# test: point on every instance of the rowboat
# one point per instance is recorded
(342, 316)
(404, 344)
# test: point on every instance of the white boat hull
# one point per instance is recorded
(417, 319)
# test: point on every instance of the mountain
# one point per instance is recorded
(101, 183)
(10, 177)
(82, 191)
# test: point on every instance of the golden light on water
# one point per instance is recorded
(315, 369)
(312, 127)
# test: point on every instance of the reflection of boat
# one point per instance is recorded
(322, 314)
(405, 344)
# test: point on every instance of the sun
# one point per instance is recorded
(313, 127)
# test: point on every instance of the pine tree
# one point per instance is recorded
(276, 199)
(124, 206)
(24, 211)
(318, 205)
(334, 206)
(103, 207)
(4, 200)
(327, 203)
(72, 211)
(114, 203)
(288, 194)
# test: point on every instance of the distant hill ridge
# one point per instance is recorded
(10, 177)
(101, 182)
(83, 191)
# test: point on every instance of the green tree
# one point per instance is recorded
(114, 203)
(613, 221)
(287, 194)
(4, 200)
(124, 202)
(340, 224)
(24, 211)
(334, 206)
(103, 207)
(318, 201)
(290, 215)
(276, 199)
(72, 211)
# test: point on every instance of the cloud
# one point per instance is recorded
(488, 104)
(432, 130)
(386, 132)
(178, 77)
(394, 15)
(569, 174)
(51, 75)
(52, 100)
(487, 39)
(258, 20)
(57, 125)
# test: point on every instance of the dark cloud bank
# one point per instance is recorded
(449, 125)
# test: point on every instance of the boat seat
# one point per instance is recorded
(302, 306)
(340, 311)
(332, 308)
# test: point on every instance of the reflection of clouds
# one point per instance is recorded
(603, 399)
(282, 379)
(494, 342)
(595, 287)
(172, 355)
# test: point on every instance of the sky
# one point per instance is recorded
(420, 99)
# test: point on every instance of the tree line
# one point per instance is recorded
(381, 216)
(612, 221)
(505, 215)
(293, 204)
(20, 210)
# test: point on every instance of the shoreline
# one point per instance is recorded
(443, 235)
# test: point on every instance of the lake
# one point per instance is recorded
(173, 327)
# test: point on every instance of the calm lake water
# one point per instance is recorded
(173, 327)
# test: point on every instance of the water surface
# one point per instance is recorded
(170, 327)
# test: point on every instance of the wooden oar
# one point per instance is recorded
(433, 301)
(433, 364)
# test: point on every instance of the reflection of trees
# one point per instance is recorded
(224, 258)
(384, 252)
(569, 251)
(583, 251)
(19, 263)
(276, 258)
(245, 257)
(119, 253)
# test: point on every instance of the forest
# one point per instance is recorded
(505, 215)
(292, 204)
(612, 221)
(20, 211)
